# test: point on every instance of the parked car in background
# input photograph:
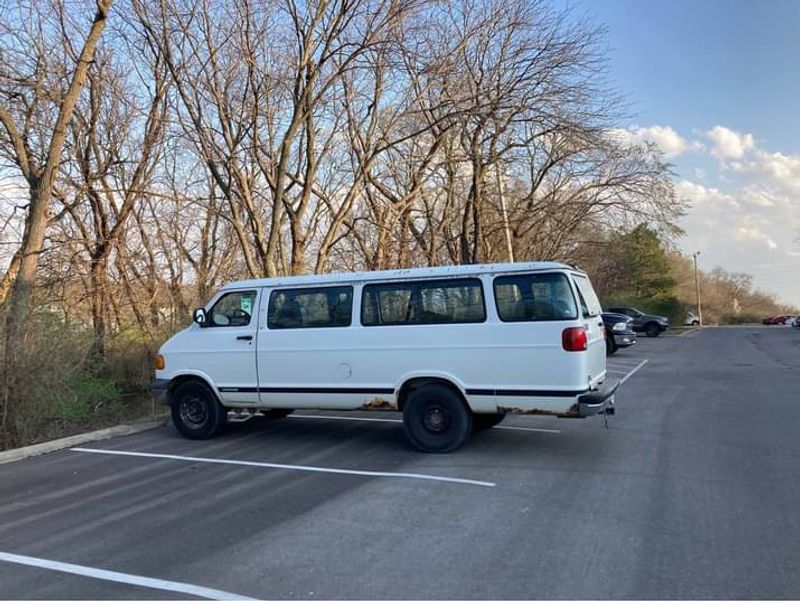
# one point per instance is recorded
(619, 332)
(691, 319)
(778, 320)
(796, 322)
(651, 325)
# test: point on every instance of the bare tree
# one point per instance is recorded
(31, 89)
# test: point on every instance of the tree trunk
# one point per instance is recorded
(98, 270)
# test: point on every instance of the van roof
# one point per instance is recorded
(400, 274)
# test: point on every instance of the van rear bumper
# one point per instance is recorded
(600, 400)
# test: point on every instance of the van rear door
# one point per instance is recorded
(593, 322)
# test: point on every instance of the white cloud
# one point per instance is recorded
(775, 171)
(750, 231)
(729, 143)
(783, 169)
(700, 195)
(742, 226)
(759, 197)
(670, 142)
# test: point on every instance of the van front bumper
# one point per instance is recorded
(159, 390)
(600, 400)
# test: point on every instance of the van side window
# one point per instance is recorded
(534, 297)
(232, 309)
(426, 302)
(310, 308)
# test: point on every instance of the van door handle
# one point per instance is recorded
(247, 337)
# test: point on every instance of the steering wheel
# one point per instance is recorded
(240, 313)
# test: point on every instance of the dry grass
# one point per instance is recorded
(58, 389)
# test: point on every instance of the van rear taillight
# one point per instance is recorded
(574, 339)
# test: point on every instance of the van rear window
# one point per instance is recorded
(534, 297)
(427, 302)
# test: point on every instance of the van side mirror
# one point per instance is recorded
(199, 316)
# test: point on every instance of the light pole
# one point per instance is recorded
(697, 289)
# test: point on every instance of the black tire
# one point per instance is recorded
(436, 419)
(276, 413)
(484, 421)
(696, 323)
(611, 346)
(196, 412)
(652, 329)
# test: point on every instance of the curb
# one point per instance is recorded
(71, 441)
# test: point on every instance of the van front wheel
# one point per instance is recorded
(436, 419)
(196, 412)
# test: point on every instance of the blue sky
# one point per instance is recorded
(716, 83)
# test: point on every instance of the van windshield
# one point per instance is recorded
(590, 305)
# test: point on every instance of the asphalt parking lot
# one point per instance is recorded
(690, 493)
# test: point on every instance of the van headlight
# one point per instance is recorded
(619, 326)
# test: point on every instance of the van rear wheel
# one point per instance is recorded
(436, 419)
(196, 412)
(484, 421)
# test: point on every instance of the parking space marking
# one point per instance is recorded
(635, 369)
(121, 577)
(400, 421)
(546, 430)
(622, 362)
(291, 467)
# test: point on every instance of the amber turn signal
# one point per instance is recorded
(159, 362)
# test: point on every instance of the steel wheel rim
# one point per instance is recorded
(435, 419)
(194, 412)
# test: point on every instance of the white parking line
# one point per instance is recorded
(400, 421)
(622, 362)
(156, 583)
(527, 429)
(635, 369)
(283, 466)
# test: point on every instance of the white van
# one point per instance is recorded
(453, 348)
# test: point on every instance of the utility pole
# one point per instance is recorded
(697, 289)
